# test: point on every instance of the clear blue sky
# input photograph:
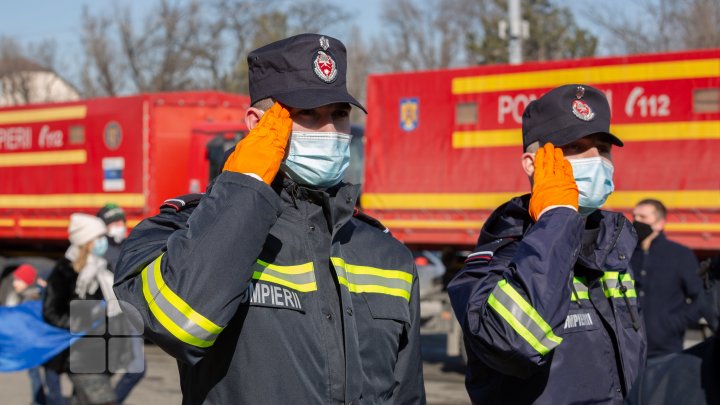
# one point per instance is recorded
(36, 20)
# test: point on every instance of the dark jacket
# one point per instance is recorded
(666, 279)
(277, 295)
(547, 318)
(691, 377)
(60, 292)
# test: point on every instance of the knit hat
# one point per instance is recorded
(26, 273)
(84, 228)
(110, 213)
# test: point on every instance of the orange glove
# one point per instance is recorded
(553, 182)
(263, 149)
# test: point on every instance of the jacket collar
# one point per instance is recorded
(338, 202)
(614, 244)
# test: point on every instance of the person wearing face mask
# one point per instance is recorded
(115, 221)
(546, 301)
(82, 275)
(271, 287)
(668, 284)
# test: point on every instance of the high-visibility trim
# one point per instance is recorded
(596, 75)
(173, 313)
(50, 158)
(71, 200)
(7, 222)
(75, 112)
(523, 318)
(581, 291)
(640, 132)
(299, 277)
(612, 281)
(490, 201)
(366, 279)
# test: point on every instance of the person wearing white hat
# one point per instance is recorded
(81, 275)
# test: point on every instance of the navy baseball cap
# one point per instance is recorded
(303, 71)
(566, 114)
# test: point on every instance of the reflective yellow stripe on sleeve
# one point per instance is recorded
(173, 313)
(523, 318)
(366, 279)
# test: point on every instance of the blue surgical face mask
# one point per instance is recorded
(317, 159)
(594, 178)
(100, 246)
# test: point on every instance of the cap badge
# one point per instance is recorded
(325, 67)
(324, 43)
(582, 110)
(580, 92)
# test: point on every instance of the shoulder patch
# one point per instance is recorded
(182, 202)
(483, 254)
(369, 220)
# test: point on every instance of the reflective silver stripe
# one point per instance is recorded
(366, 279)
(302, 278)
(169, 310)
(524, 319)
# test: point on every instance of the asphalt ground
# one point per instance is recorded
(444, 378)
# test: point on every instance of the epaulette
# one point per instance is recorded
(483, 254)
(369, 220)
(184, 201)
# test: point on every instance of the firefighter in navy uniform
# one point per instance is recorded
(271, 288)
(546, 301)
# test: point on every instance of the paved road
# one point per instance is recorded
(443, 379)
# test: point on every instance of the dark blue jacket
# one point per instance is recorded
(277, 296)
(666, 280)
(547, 318)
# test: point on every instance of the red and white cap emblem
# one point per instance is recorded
(325, 67)
(582, 110)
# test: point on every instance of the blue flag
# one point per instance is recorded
(26, 340)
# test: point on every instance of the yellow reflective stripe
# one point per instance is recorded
(529, 310)
(164, 320)
(581, 295)
(517, 326)
(580, 289)
(298, 287)
(359, 279)
(183, 306)
(372, 271)
(296, 269)
(371, 288)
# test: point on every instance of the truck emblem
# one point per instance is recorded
(324, 67)
(112, 136)
(324, 43)
(409, 113)
(582, 110)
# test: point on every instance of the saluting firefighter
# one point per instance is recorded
(547, 301)
(271, 288)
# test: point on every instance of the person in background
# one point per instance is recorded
(116, 223)
(667, 281)
(690, 377)
(21, 286)
(81, 275)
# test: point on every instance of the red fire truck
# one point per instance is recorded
(134, 151)
(443, 147)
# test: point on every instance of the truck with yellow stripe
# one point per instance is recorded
(135, 151)
(443, 147)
